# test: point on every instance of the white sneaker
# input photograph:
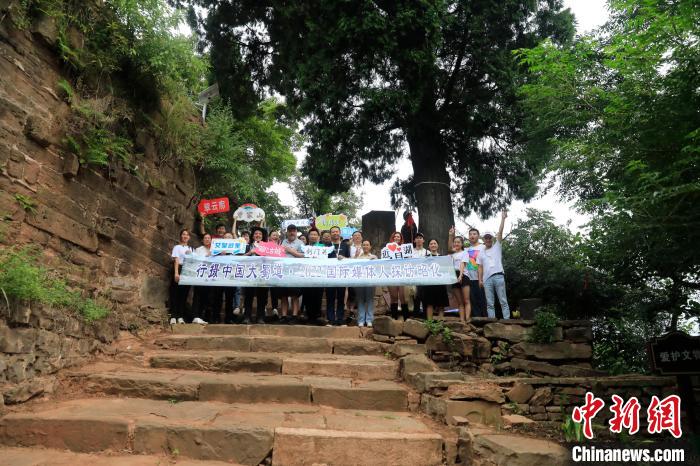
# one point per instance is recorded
(236, 312)
(197, 320)
(275, 313)
(369, 324)
(180, 320)
(173, 321)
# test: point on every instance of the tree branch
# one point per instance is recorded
(449, 87)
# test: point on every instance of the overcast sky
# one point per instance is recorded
(589, 15)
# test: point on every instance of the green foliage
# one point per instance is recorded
(22, 277)
(93, 133)
(546, 322)
(27, 203)
(372, 79)
(66, 90)
(135, 38)
(573, 431)
(313, 200)
(513, 407)
(618, 111)
(242, 158)
(438, 328)
(503, 348)
(548, 261)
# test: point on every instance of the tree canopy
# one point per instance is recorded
(374, 79)
(618, 109)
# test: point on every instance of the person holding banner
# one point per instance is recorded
(202, 297)
(293, 248)
(460, 290)
(313, 295)
(350, 250)
(230, 297)
(365, 295)
(179, 293)
(335, 296)
(434, 296)
(396, 293)
(258, 235)
(414, 292)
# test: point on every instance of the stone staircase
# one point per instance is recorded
(281, 395)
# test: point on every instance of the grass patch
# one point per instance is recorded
(24, 277)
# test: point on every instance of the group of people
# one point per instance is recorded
(478, 269)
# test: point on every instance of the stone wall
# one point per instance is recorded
(108, 230)
(36, 341)
(450, 396)
(498, 347)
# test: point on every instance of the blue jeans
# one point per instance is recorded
(496, 285)
(364, 297)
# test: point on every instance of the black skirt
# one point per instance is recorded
(434, 295)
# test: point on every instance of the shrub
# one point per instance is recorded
(545, 323)
(23, 278)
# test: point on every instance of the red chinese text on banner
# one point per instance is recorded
(269, 249)
(213, 206)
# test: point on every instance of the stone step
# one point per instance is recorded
(274, 343)
(242, 433)
(245, 388)
(305, 331)
(51, 457)
(294, 446)
(327, 365)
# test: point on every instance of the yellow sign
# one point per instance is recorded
(326, 221)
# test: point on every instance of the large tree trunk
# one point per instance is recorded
(432, 185)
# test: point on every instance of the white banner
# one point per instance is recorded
(301, 272)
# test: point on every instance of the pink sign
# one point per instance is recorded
(269, 249)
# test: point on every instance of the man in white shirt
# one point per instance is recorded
(491, 276)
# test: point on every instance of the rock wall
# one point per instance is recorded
(108, 230)
(37, 341)
(498, 347)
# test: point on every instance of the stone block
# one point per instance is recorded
(541, 397)
(415, 329)
(553, 351)
(513, 450)
(412, 363)
(23, 391)
(510, 420)
(538, 367)
(385, 325)
(520, 392)
(435, 343)
(17, 340)
(476, 390)
(512, 333)
(423, 381)
(477, 411)
(40, 131)
(295, 447)
(64, 227)
(400, 350)
(579, 334)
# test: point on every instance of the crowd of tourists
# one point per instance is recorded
(477, 261)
